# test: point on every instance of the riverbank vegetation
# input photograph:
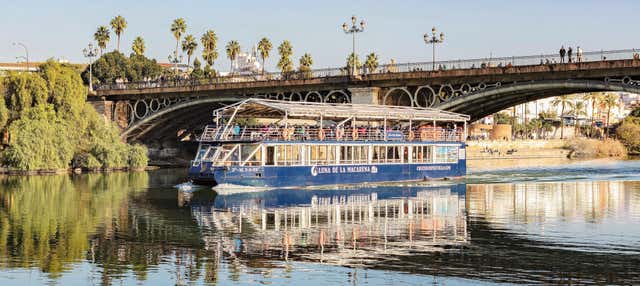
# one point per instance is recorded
(47, 125)
(629, 132)
(594, 148)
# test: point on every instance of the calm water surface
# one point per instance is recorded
(577, 224)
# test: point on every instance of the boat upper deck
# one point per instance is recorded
(308, 121)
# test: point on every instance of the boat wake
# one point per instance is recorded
(230, 189)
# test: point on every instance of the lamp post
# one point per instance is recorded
(90, 52)
(175, 59)
(26, 51)
(353, 30)
(433, 40)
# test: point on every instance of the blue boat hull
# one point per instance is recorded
(290, 176)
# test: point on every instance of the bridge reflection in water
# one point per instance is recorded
(339, 229)
(135, 228)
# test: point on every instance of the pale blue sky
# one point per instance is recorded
(477, 28)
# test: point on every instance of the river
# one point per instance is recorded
(577, 223)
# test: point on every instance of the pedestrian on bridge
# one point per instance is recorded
(562, 53)
(579, 54)
(569, 52)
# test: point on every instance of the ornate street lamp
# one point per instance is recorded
(26, 51)
(353, 30)
(433, 39)
(90, 52)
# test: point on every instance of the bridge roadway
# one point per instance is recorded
(476, 87)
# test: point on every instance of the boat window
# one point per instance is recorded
(422, 154)
(331, 154)
(270, 156)
(346, 154)
(360, 154)
(393, 155)
(319, 154)
(251, 155)
(446, 154)
(201, 152)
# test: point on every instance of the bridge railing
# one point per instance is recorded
(542, 59)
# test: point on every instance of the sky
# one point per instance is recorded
(61, 29)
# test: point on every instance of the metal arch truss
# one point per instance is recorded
(437, 95)
(127, 113)
(324, 96)
(432, 95)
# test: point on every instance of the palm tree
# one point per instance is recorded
(353, 58)
(609, 101)
(285, 50)
(371, 63)
(305, 65)
(579, 109)
(138, 46)
(594, 98)
(209, 42)
(233, 49)
(178, 27)
(189, 46)
(102, 37)
(118, 24)
(264, 46)
(564, 101)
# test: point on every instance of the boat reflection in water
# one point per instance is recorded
(336, 227)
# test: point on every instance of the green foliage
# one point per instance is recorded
(264, 47)
(39, 141)
(66, 92)
(285, 50)
(52, 127)
(118, 24)
(351, 59)
(138, 46)
(209, 42)
(189, 46)
(140, 67)
(371, 63)
(629, 133)
(197, 72)
(22, 91)
(102, 37)
(502, 118)
(635, 113)
(232, 49)
(305, 65)
(138, 157)
(114, 65)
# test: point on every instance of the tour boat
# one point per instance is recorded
(270, 143)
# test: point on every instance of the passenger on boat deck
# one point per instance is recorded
(236, 130)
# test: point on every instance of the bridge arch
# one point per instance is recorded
(337, 96)
(491, 100)
(398, 96)
(165, 118)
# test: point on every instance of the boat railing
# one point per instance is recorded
(298, 133)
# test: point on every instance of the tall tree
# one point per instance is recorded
(102, 37)
(579, 109)
(264, 47)
(189, 46)
(178, 27)
(285, 50)
(138, 46)
(209, 42)
(610, 100)
(351, 59)
(594, 98)
(233, 49)
(563, 101)
(305, 65)
(371, 63)
(118, 24)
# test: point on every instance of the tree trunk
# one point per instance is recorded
(118, 49)
(262, 66)
(606, 134)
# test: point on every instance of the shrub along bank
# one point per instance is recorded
(47, 125)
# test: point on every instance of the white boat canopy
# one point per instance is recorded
(267, 108)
